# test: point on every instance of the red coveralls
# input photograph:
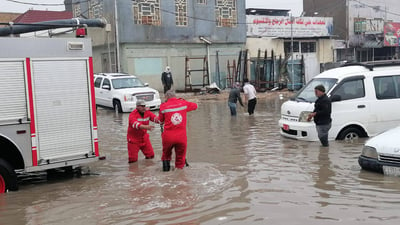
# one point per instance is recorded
(138, 139)
(173, 114)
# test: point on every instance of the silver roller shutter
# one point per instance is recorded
(13, 97)
(62, 108)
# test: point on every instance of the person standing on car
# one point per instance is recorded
(250, 96)
(322, 114)
(166, 79)
(137, 136)
(234, 96)
(173, 115)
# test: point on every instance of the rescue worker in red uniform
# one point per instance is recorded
(173, 115)
(137, 137)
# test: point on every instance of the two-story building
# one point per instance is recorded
(145, 36)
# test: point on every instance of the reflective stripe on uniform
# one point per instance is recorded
(174, 109)
(143, 119)
(136, 125)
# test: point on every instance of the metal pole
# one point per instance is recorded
(109, 53)
(208, 62)
(291, 47)
(117, 37)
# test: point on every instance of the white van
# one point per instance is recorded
(365, 102)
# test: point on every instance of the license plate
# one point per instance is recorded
(285, 127)
(391, 171)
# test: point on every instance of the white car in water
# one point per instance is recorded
(382, 153)
(120, 91)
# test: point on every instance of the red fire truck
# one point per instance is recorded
(47, 106)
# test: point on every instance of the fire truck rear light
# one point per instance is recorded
(80, 32)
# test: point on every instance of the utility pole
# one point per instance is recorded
(118, 67)
(291, 47)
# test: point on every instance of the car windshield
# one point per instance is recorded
(307, 94)
(129, 82)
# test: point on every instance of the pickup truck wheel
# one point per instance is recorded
(350, 134)
(8, 177)
(117, 106)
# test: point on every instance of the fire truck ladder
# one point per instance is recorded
(231, 73)
(188, 73)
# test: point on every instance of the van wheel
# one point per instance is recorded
(350, 134)
(8, 177)
(117, 106)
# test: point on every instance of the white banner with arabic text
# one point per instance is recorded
(284, 27)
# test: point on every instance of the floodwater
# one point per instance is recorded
(241, 172)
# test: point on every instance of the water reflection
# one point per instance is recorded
(241, 171)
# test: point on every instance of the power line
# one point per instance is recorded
(39, 4)
(45, 4)
(377, 8)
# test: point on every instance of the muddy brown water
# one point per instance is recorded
(241, 172)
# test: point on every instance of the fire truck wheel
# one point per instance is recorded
(8, 177)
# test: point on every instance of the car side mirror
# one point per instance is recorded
(106, 86)
(146, 84)
(336, 98)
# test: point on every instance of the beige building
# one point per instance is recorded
(311, 38)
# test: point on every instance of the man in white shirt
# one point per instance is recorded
(250, 96)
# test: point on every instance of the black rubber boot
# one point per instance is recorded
(166, 166)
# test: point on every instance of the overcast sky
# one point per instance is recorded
(13, 6)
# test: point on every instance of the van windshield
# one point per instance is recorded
(306, 94)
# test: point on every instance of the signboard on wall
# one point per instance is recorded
(392, 34)
(284, 26)
(368, 26)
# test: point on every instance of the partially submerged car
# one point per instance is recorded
(120, 91)
(382, 153)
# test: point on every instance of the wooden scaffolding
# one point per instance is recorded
(189, 72)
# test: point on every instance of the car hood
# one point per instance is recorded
(136, 90)
(387, 142)
(294, 108)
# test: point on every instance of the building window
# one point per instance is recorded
(204, 2)
(76, 8)
(287, 47)
(226, 13)
(96, 9)
(146, 12)
(308, 47)
(300, 47)
(181, 13)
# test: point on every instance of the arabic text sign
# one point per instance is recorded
(282, 26)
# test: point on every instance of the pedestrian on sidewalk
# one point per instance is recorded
(166, 79)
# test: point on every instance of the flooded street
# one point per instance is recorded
(241, 172)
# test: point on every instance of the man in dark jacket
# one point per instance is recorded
(166, 79)
(322, 114)
(234, 96)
